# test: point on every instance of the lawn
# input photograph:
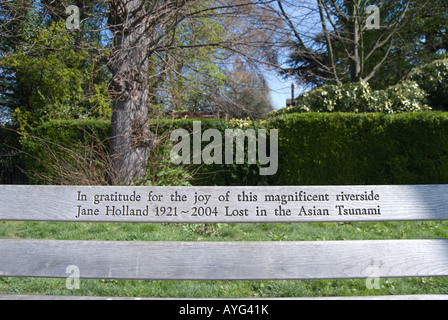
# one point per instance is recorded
(224, 232)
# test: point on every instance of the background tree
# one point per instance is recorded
(421, 40)
(16, 31)
(196, 66)
(140, 30)
(245, 94)
(330, 42)
(153, 50)
(51, 72)
(184, 78)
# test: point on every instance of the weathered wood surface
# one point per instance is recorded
(311, 204)
(225, 261)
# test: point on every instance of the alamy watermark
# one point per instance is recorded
(374, 18)
(234, 141)
(373, 279)
(72, 282)
(73, 20)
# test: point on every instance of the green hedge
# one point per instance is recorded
(314, 148)
(11, 161)
(9, 138)
(215, 174)
(60, 144)
(72, 131)
(343, 149)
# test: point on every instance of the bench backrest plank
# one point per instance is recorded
(57, 203)
(224, 260)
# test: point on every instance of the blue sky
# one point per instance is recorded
(280, 91)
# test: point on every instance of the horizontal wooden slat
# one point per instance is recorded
(252, 204)
(225, 261)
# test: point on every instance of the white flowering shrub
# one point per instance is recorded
(241, 123)
(359, 98)
(246, 123)
(404, 97)
(433, 78)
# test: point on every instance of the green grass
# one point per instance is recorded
(224, 232)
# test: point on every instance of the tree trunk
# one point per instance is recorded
(131, 139)
(355, 38)
(328, 41)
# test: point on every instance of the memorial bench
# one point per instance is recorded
(224, 260)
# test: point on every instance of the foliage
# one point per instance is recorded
(359, 97)
(421, 40)
(426, 88)
(77, 152)
(186, 75)
(340, 148)
(11, 161)
(214, 174)
(243, 123)
(334, 45)
(314, 149)
(407, 96)
(245, 93)
(433, 78)
(161, 171)
(9, 138)
(55, 79)
(364, 149)
(68, 152)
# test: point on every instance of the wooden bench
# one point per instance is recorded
(224, 260)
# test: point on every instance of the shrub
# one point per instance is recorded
(161, 171)
(371, 148)
(9, 138)
(433, 78)
(214, 174)
(69, 152)
(359, 98)
(314, 149)
(76, 152)
(11, 162)
(407, 96)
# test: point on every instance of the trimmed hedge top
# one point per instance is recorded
(343, 149)
(314, 148)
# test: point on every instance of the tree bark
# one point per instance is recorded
(328, 41)
(131, 139)
(355, 38)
